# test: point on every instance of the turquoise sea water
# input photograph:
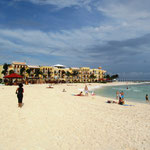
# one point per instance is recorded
(133, 93)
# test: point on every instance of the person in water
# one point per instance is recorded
(19, 93)
(146, 97)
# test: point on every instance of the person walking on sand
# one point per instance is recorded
(19, 93)
(86, 90)
(146, 97)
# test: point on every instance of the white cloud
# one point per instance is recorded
(75, 43)
(61, 3)
(59, 43)
(134, 15)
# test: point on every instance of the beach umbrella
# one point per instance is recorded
(102, 79)
(13, 75)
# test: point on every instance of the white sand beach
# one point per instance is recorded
(54, 120)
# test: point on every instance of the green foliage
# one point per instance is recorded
(92, 76)
(22, 71)
(29, 71)
(107, 76)
(5, 68)
(63, 72)
(49, 73)
(75, 73)
(37, 72)
(3, 72)
(68, 74)
(11, 71)
(115, 76)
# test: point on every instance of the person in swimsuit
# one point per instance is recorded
(121, 98)
(86, 90)
(80, 94)
(19, 93)
(146, 97)
(117, 94)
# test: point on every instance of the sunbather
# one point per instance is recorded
(50, 86)
(80, 94)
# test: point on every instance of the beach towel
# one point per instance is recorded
(127, 105)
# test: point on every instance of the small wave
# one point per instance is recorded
(136, 90)
(121, 89)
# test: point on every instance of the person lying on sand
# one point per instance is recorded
(80, 94)
(121, 102)
(110, 101)
(50, 86)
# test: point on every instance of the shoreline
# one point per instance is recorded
(128, 100)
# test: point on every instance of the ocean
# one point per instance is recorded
(135, 93)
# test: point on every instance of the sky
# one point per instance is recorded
(113, 34)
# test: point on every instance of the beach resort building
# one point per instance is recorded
(1, 69)
(75, 75)
(17, 67)
(47, 72)
(56, 73)
(32, 74)
(59, 73)
(85, 74)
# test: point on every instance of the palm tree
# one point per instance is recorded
(115, 76)
(92, 77)
(68, 74)
(107, 76)
(11, 71)
(49, 73)
(28, 71)
(5, 68)
(22, 70)
(37, 72)
(75, 73)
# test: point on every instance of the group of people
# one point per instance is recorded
(120, 97)
(86, 91)
(20, 92)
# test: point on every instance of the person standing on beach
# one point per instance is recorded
(117, 94)
(19, 93)
(86, 90)
(146, 97)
